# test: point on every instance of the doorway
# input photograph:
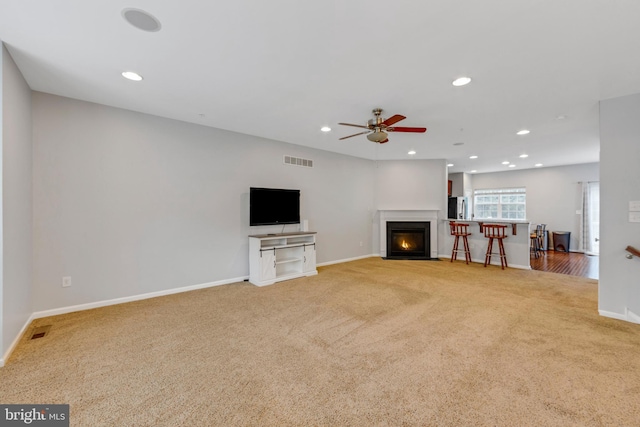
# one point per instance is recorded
(591, 218)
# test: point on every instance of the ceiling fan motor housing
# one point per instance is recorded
(375, 122)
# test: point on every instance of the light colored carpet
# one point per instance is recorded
(364, 343)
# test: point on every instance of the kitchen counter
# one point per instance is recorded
(516, 245)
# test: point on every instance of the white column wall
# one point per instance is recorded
(15, 210)
(619, 285)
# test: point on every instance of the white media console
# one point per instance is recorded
(284, 256)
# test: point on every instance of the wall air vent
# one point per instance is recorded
(296, 161)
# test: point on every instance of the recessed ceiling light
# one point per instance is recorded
(538, 165)
(411, 153)
(132, 76)
(561, 117)
(523, 132)
(450, 165)
(141, 20)
(524, 156)
(474, 171)
(473, 157)
(325, 129)
(512, 166)
(461, 81)
(505, 162)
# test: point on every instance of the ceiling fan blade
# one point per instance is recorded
(358, 126)
(355, 134)
(406, 129)
(393, 119)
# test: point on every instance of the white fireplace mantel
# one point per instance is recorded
(410, 215)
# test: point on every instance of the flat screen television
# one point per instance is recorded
(270, 206)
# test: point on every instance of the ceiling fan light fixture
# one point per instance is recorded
(377, 136)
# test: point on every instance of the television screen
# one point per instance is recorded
(268, 206)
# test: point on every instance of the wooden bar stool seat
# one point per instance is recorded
(459, 230)
(495, 232)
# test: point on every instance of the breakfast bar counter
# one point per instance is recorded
(516, 244)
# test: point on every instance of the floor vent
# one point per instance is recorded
(40, 332)
(296, 161)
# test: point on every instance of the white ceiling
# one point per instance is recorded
(281, 69)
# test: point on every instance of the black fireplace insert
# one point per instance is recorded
(408, 240)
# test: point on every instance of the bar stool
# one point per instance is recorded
(459, 230)
(537, 240)
(495, 231)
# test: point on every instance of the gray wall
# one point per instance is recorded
(619, 287)
(457, 184)
(408, 185)
(127, 204)
(15, 232)
(553, 194)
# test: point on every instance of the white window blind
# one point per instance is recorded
(500, 203)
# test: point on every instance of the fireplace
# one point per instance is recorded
(408, 240)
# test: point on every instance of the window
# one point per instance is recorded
(500, 203)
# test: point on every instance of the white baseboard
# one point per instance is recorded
(97, 304)
(340, 261)
(15, 342)
(612, 315)
(493, 262)
(627, 316)
(632, 317)
(104, 303)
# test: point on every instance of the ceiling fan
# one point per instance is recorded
(378, 127)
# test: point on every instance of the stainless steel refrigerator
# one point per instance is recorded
(458, 208)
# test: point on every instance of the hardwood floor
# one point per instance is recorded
(572, 263)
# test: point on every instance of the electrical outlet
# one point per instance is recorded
(361, 244)
(66, 281)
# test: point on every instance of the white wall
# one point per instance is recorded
(619, 286)
(15, 229)
(127, 204)
(553, 194)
